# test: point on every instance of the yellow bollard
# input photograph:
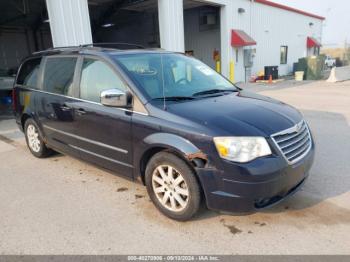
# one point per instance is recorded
(232, 72)
(218, 67)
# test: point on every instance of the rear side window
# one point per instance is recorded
(59, 75)
(28, 76)
(96, 76)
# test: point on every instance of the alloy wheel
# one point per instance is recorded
(33, 138)
(170, 188)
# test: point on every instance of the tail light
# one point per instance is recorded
(14, 99)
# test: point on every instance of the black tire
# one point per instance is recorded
(192, 186)
(42, 151)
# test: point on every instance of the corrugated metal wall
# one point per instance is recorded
(69, 22)
(17, 43)
(203, 43)
(271, 28)
(13, 46)
(171, 25)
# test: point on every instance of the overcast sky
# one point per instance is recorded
(337, 13)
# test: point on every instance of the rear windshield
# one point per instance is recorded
(28, 76)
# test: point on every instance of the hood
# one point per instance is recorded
(238, 114)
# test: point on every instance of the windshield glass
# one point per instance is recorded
(173, 76)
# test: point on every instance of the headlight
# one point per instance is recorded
(242, 149)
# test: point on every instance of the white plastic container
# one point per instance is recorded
(299, 75)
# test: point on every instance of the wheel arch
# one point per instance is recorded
(175, 144)
(24, 118)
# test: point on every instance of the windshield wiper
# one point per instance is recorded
(174, 98)
(214, 91)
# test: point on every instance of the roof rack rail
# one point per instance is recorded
(55, 48)
(117, 45)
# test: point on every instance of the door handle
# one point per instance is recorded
(65, 108)
(81, 111)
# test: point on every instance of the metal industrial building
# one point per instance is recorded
(238, 37)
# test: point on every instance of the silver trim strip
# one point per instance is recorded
(290, 137)
(301, 149)
(79, 99)
(304, 134)
(87, 140)
(295, 128)
(290, 130)
(100, 156)
(297, 146)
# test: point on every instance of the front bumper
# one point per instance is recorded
(253, 186)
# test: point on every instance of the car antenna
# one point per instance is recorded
(163, 82)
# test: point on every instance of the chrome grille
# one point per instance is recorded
(294, 143)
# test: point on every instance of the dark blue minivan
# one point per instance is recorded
(167, 120)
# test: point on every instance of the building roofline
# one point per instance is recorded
(287, 8)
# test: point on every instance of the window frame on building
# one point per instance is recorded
(317, 50)
(284, 54)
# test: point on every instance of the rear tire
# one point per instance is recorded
(172, 186)
(35, 140)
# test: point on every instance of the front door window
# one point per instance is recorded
(97, 76)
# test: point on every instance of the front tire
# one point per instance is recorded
(35, 140)
(172, 186)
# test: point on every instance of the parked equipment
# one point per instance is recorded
(271, 70)
(312, 67)
(330, 62)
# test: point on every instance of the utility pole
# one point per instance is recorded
(346, 53)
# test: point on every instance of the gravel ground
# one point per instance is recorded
(61, 205)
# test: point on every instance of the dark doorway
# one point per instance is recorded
(125, 21)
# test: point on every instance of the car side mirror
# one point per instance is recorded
(116, 98)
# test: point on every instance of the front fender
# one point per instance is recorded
(176, 143)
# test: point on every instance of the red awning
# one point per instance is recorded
(312, 42)
(240, 38)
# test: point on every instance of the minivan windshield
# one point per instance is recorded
(174, 77)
